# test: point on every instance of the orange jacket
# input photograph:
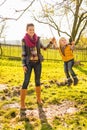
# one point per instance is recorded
(66, 53)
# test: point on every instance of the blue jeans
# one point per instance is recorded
(68, 69)
(37, 71)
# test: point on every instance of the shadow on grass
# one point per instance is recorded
(28, 125)
(44, 123)
(81, 68)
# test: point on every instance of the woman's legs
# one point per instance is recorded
(37, 71)
(23, 91)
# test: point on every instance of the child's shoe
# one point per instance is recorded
(69, 82)
(23, 113)
(75, 80)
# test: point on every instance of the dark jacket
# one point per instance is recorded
(26, 51)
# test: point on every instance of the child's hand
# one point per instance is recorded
(70, 39)
(72, 45)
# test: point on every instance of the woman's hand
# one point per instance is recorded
(25, 68)
(53, 40)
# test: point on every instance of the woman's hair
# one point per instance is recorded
(28, 25)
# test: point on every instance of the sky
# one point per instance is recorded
(15, 30)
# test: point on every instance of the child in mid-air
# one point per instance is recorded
(66, 51)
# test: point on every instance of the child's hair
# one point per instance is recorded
(28, 25)
(60, 40)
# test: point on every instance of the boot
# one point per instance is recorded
(69, 82)
(75, 80)
(23, 93)
(22, 113)
(38, 95)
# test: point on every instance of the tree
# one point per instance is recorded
(2, 35)
(73, 12)
(56, 13)
(3, 19)
(2, 27)
(21, 12)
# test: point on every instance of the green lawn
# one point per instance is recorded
(11, 74)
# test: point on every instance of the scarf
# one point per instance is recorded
(30, 42)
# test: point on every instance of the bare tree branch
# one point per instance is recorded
(26, 9)
(2, 29)
(55, 27)
(3, 2)
(60, 10)
(75, 19)
(84, 16)
(81, 32)
(80, 20)
(23, 11)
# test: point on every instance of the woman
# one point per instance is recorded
(31, 59)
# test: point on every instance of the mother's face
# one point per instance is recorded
(31, 31)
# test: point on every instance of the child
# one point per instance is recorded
(66, 51)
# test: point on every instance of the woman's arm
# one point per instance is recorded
(24, 53)
(47, 45)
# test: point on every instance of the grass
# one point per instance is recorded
(11, 73)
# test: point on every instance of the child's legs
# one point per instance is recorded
(70, 65)
(66, 70)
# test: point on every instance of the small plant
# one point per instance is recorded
(10, 114)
